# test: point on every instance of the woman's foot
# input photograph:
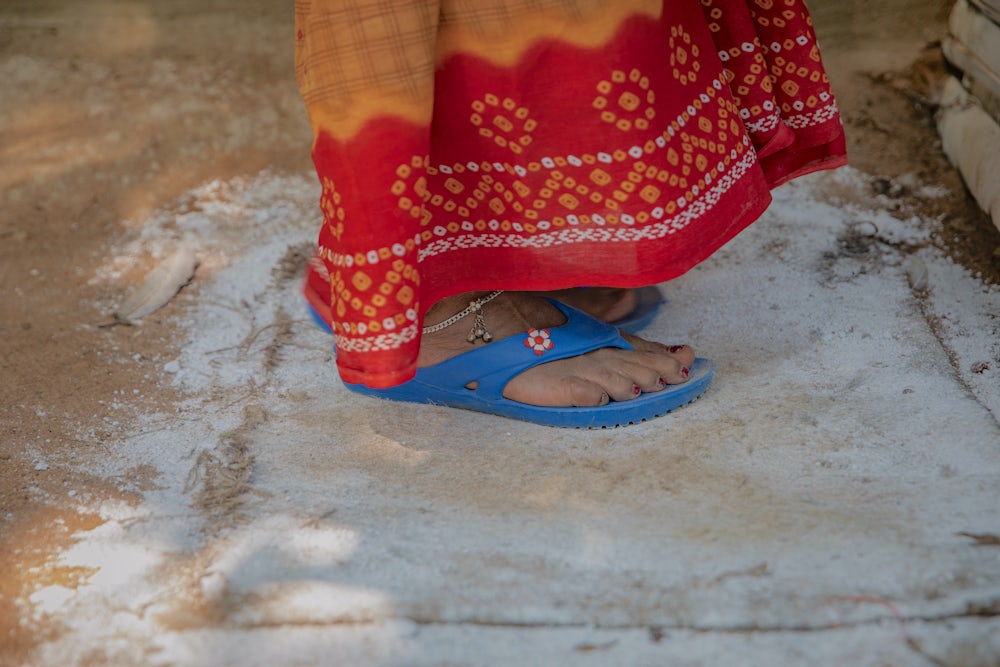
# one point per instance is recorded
(588, 380)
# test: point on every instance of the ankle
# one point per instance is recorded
(450, 305)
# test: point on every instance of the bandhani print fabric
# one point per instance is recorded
(542, 144)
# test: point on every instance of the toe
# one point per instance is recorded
(620, 373)
(626, 374)
(684, 354)
(668, 367)
(621, 387)
(645, 377)
(550, 390)
(585, 393)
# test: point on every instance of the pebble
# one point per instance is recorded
(908, 180)
(172, 366)
(916, 272)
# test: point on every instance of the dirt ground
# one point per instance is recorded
(113, 109)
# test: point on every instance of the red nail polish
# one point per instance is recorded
(685, 372)
(636, 390)
(676, 348)
(662, 382)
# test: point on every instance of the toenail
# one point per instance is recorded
(636, 390)
(676, 349)
(685, 372)
(605, 399)
(661, 383)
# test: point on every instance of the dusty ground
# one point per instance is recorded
(112, 110)
(107, 111)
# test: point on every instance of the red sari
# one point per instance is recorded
(541, 144)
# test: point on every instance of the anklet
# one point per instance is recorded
(479, 329)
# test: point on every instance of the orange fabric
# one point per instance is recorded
(542, 144)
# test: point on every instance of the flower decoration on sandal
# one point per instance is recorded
(539, 340)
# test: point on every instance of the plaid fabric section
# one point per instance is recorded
(346, 47)
(487, 17)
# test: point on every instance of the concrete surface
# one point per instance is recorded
(832, 500)
(823, 499)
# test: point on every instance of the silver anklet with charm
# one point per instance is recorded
(478, 330)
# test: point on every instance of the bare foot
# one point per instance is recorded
(590, 379)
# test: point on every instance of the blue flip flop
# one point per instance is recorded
(492, 366)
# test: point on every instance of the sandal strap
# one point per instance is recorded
(493, 366)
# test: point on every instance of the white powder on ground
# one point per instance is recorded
(834, 461)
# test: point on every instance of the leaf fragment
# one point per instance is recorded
(159, 286)
(983, 540)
